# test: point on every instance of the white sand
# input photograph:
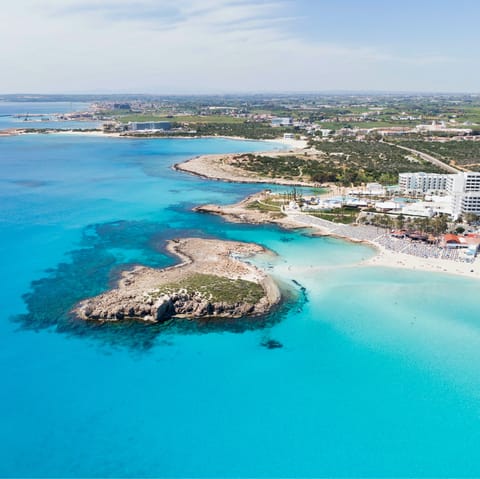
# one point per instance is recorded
(292, 143)
(392, 259)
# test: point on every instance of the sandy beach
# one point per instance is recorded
(391, 259)
(293, 144)
(386, 257)
(291, 219)
(217, 167)
(220, 168)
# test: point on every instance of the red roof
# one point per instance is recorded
(449, 238)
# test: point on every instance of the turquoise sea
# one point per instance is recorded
(377, 376)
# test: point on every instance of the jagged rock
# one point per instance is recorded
(163, 308)
(166, 306)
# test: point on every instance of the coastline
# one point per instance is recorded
(385, 257)
(292, 143)
(211, 167)
(367, 235)
(217, 167)
(207, 166)
(389, 259)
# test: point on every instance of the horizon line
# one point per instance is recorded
(248, 93)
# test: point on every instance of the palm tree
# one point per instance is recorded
(400, 221)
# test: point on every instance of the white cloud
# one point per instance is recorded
(188, 46)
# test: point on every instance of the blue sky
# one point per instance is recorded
(221, 46)
(424, 24)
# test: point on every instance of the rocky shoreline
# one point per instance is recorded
(242, 212)
(157, 295)
(220, 168)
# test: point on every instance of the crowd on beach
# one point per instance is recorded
(383, 238)
(423, 250)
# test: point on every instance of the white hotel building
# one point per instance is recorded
(423, 183)
(463, 189)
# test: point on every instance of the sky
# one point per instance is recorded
(236, 46)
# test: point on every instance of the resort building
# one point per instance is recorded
(465, 191)
(424, 183)
(443, 128)
(149, 125)
(462, 189)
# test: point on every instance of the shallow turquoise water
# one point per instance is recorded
(377, 375)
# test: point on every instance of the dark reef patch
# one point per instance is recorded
(303, 290)
(271, 344)
(94, 268)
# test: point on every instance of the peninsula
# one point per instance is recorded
(213, 280)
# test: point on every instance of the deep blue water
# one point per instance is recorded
(377, 375)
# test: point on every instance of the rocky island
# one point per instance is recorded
(211, 281)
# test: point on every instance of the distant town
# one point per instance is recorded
(406, 163)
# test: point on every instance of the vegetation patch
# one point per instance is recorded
(217, 289)
(461, 153)
(339, 215)
(266, 206)
(345, 162)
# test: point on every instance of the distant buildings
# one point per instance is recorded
(441, 127)
(122, 106)
(285, 121)
(149, 126)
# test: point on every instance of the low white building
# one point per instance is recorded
(388, 206)
(422, 209)
(149, 125)
(282, 121)
(324, 132)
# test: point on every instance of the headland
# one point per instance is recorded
(227, 167)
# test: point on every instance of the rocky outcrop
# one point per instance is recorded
(117, 307)
(146, 294)
(242, 212)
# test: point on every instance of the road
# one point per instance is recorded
(427, 157)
